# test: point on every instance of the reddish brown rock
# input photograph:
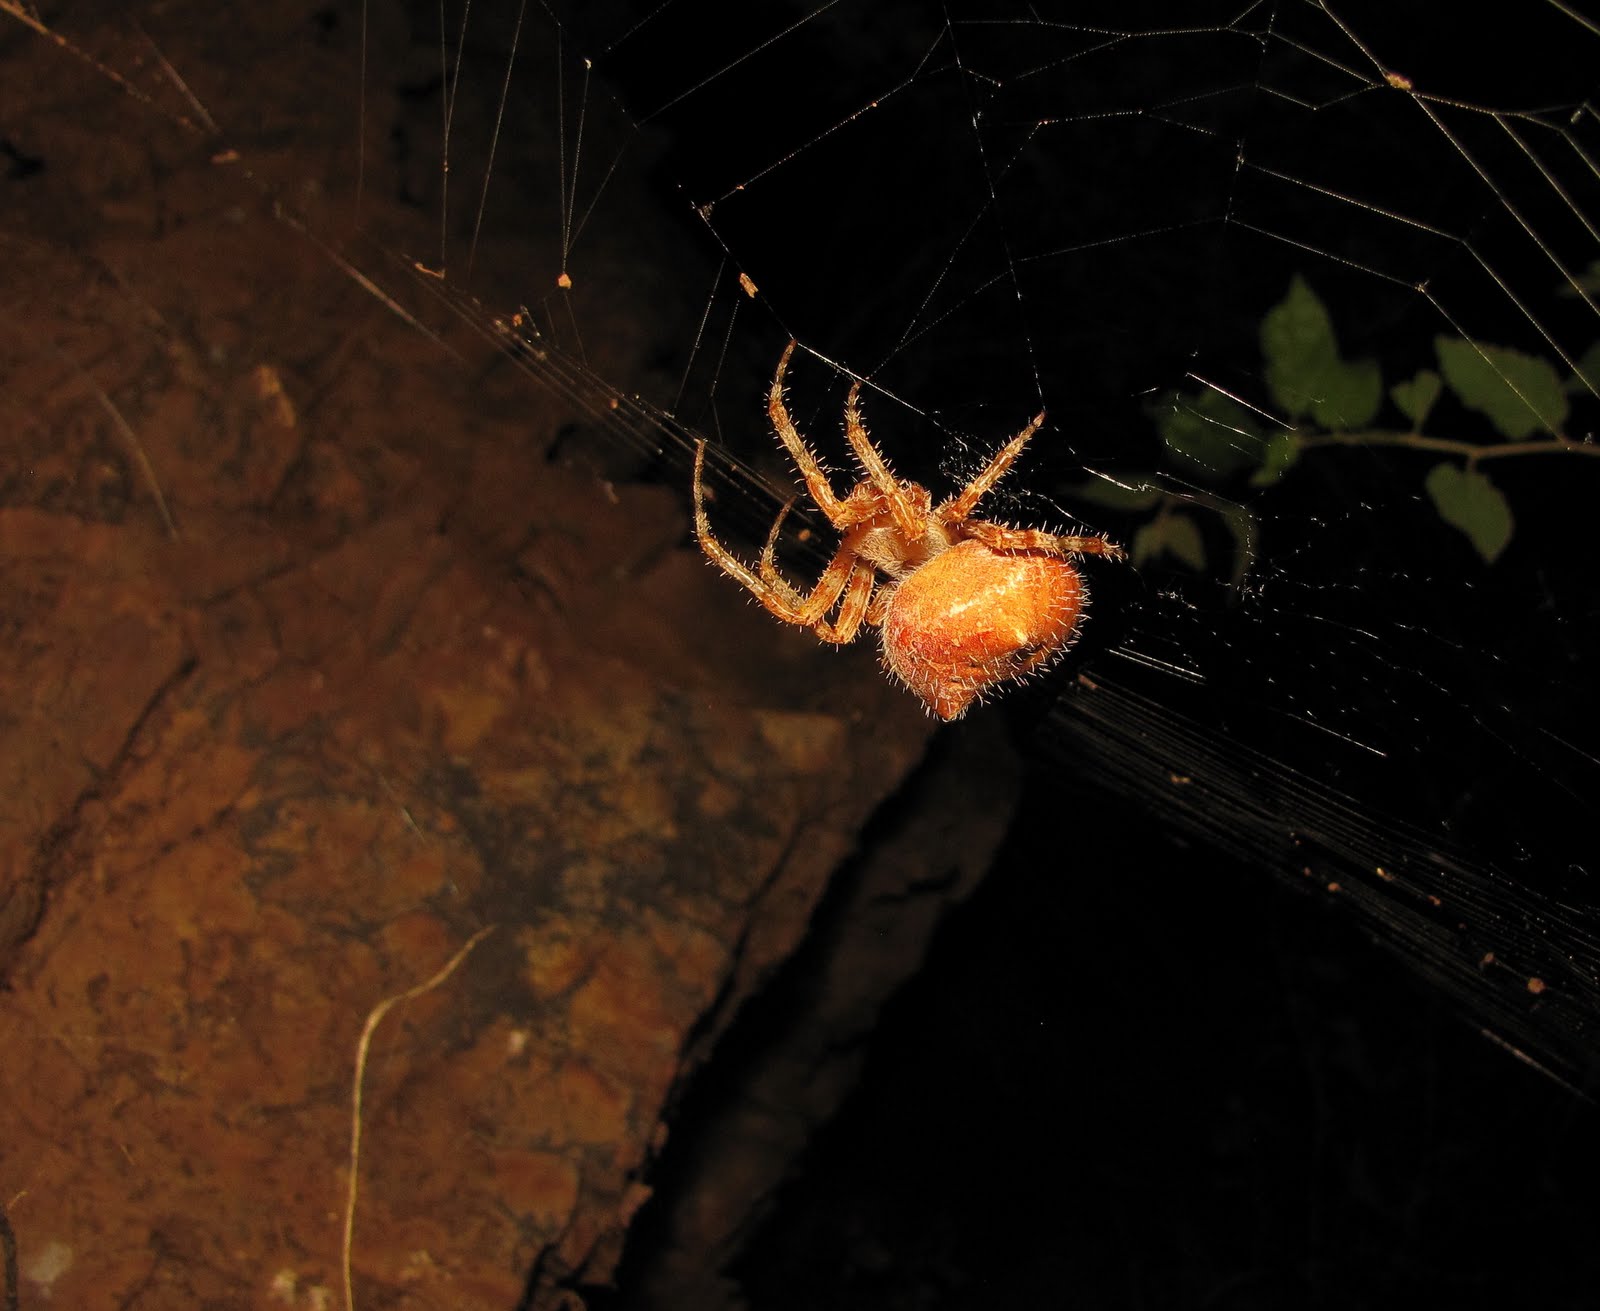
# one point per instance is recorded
(322, 671)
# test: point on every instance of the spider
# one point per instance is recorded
(964, 604)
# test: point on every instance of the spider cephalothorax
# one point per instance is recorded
(963, 604)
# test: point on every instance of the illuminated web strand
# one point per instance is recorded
(733, 64)
(494, 138)
(450, 89)
(877, 101)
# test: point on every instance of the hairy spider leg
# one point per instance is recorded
(963, 503)
(856, 606)
(911, 525)
(853, 608)
(782, 600)
(879, 608)
(766, 567)
(1048, 655)
(997, 537)
(842, 512)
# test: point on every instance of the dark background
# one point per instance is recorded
(1243, 1015)
(1137, 1072)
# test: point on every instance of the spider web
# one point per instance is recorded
(987, 210)
(1333, 662)
(1342, 671)
(1344, 675)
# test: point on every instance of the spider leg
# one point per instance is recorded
(879, 607)
(997, 537)
(963, 503)
(906, 519)
(768, 570)
(809, 608)
(779, 599)
(810, 467)
(823, 595)
(853, 608)
(1039, 659)
(718, 554)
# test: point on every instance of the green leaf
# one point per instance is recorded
(1350, 393)
(1520, 394)
(1467, 500)
(1215, 436)
(1171, 534)
(1305, 372)
(1416, 398)
(1282, 453)
(1298, 345)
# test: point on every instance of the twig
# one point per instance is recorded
(177, 80)
(143, 460)
(1471, 452)
(373, 1020)
(29, 19)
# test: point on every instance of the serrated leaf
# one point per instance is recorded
(1520, 394)
(1416, 398)
(1348, 395)
(1212, 434)
(1304, 369)
(1282, 453)
(1297, 346)
(1116, 496)
(1171, 534)
(1467, 500)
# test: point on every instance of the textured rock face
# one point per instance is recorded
(319, 665)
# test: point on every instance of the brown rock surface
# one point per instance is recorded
(315, 665)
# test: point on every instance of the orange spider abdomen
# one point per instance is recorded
(972, 617)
